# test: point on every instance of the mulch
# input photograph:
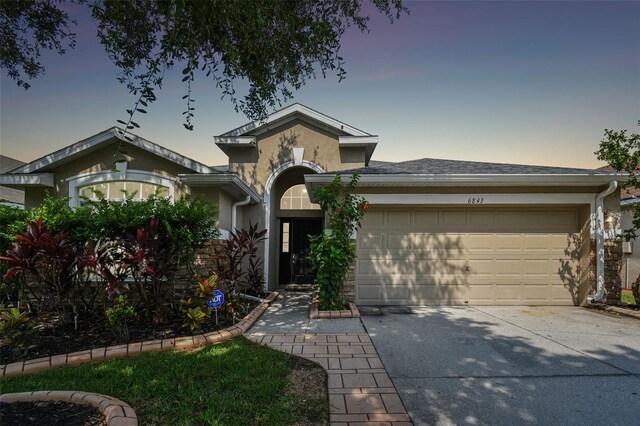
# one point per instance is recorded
(52, 337)
(49, 413)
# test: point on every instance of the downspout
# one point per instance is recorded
(234, 214)
(600, 242)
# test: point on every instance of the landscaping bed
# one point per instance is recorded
(50, 413)
(52, 337)
(235, 382)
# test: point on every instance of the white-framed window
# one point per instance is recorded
(296, 198)
(115, 184)
(119, 189)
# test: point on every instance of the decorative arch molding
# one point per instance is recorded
(85, 179)
(267, 205)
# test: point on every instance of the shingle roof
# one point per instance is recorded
(434, 166)
(12, 195)
(8, 163)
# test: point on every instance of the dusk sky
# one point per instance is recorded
(521, 82)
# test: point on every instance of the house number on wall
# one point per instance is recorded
(474, 200)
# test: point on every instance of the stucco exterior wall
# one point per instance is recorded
(103, 159)
(224, 205)
(275, 148)
(33, 197)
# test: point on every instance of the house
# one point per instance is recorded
(436, 232)
(9, 196)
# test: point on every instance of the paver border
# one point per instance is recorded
(316, 313)
(359, 388)
(131, 349)
(115, 411)
(614, 310)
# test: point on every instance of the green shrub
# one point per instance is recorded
(49, 259)
(194, 316)
(16, 327)
(12, 221)
(333, 251)
(148, 240)
(118, 315)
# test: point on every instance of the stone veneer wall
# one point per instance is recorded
(203, 265)
(349, 289)
(612, 268)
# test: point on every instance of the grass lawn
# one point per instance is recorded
(627, 297)
(236, 382)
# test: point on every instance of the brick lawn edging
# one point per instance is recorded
(131, 349)
(115, 412)
(614, 310)
(315, 313)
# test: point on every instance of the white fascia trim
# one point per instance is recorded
(229, 182)
(23, 179)
(106, 136)
(85, 179)
(235, 140)
(369, 144)
(476, 199)
(170, 155)
(358, 140)
(12, 204)
(629, 201)
(292, 109)
(226, 143)
(472, 179)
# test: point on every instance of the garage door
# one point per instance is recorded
(457, 256)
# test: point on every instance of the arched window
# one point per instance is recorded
(114, 185)
(296, 198)
(119, 190)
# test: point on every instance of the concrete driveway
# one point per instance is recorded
(511, 365)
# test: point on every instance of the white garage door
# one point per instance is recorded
(479, 255)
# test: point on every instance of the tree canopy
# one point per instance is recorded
(622, 152)
(275, 46)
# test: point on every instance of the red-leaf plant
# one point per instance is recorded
(106, 259)
(238, 253)
(153, 264)
(49, 258)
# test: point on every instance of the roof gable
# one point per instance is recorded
(292, 112)
(101, 139)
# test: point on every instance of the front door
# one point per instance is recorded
(295, 266)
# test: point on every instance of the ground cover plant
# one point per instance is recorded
(224, 384)
(334, 250)
(627, 298)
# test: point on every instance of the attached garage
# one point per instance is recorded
(446, 232)
(479, 255)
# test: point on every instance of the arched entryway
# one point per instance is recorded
(291, 218)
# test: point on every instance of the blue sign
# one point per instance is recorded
(217, 301)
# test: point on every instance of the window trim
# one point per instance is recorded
(86, 179)
(314, 206)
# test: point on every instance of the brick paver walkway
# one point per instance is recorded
(360, 391)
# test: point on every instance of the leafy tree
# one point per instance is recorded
(622, 152)
(274, 46)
